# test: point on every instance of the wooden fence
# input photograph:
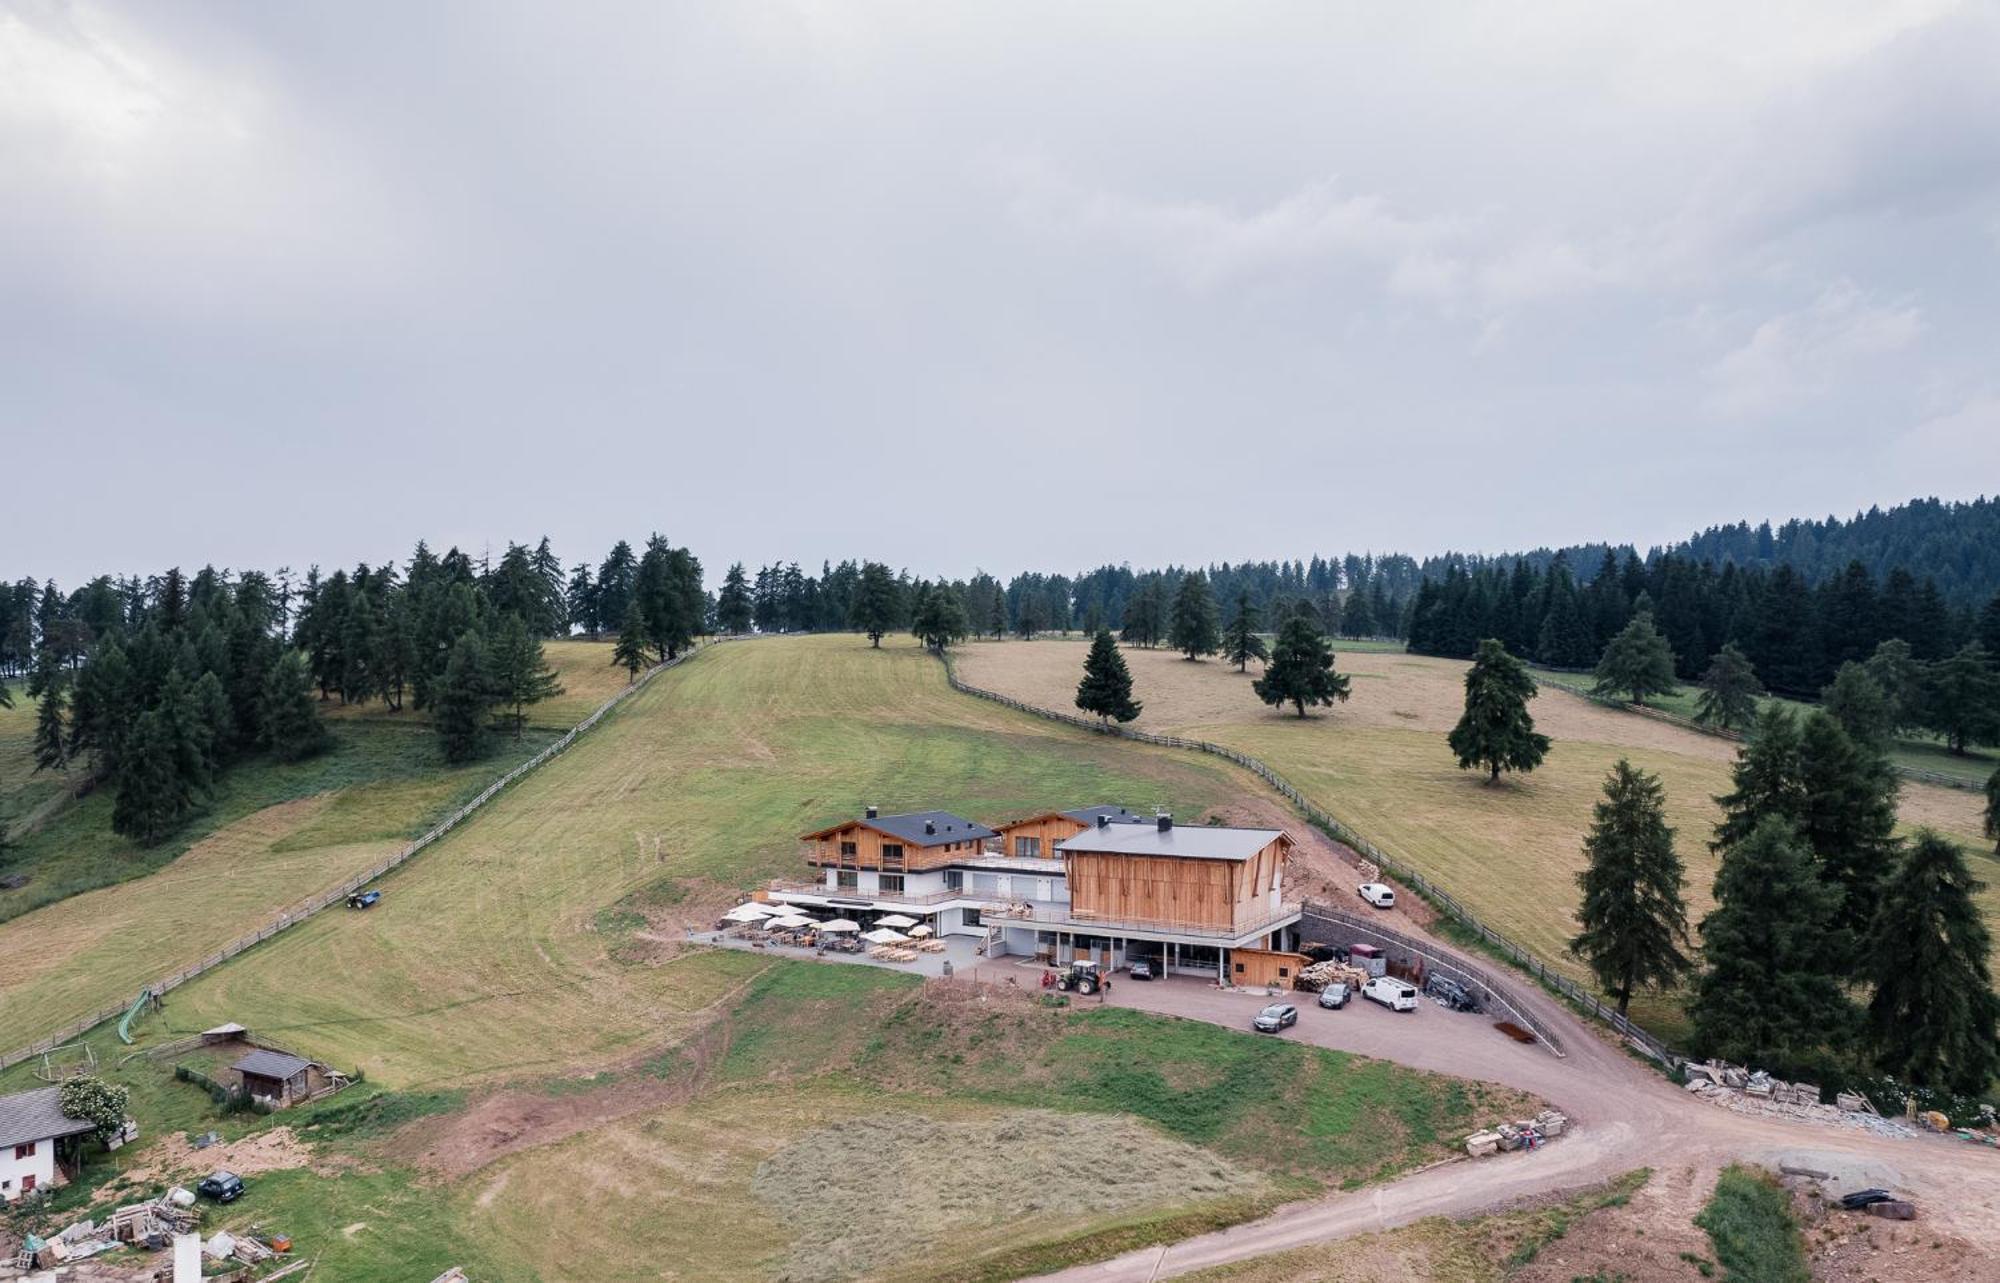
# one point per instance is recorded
(299, 913)
(1519, 954)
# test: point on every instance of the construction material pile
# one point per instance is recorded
(1752, 1091)
(1523, 1134)
(1321, 974)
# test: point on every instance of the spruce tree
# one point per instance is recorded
(154, 795)
(1771, 994)
(732, 606)
(1636, 663)
(290, 727)
(464, 698)
(1767, 778)
(1300, 670)
(940, 618)
(1729, 690)
(1240, 640)
(1933, 1016)
(1496, 730)
(1847, 819)
(1633, 913)
(520, 671)
(1193, 630)
(1961, 698)
(51, 741)
(631, 650)
(875, 602)
(1106, 688)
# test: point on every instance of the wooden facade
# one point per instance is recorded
(1265, 968)
(860, 845)
(1036, 837)
(1176, 891)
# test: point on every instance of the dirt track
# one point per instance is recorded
(1624, 1115)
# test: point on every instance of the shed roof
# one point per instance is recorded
(265, 1063)
(910, 828)
(37, 1115)
(1194, 842)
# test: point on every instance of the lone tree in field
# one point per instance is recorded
(940, 617)
(1496, 731)
(1772, 993)
(1241, 642)
(1729, 690)
(521, 672)
(1634, 917)
(874, 608)
(1636, 663)
(732, 605)
(1300, 670)
(1106, 688)
(1934, 1014)
(1193, 630)
(633, 648)
(290, 727)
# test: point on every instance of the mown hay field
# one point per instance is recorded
(1380, 764)
(584, 668)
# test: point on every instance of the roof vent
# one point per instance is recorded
(1103, 821)
(871, 813)
(930, 826)
(1166, 821)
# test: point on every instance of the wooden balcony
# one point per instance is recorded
(1049, 916)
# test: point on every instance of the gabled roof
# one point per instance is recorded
(1192, 841)
(37, 1115)
(917, 828)
(1085, 815)
(266, 1063)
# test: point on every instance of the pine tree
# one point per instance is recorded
(1771, 994)
(1637, 663)
(1240, 640)
(154, 796)
(1633, 914)
(1847, 819)
(1106, 688)
(1933, 1016)
(1194, 631)
(1300, 670)
(520, 671)
(631, 650)
(1496, 730)
(1729, 690)
(732, 607)
(940, 618)
(51, 742)
(290, 726)
(1961, 698)
(463, 699)
(1858, 702)
(1767, 778)
(875, 602)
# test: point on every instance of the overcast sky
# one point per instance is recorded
(1006, 285)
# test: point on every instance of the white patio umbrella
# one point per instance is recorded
(883, 935)
(896, 920)
(789, 923)
(840, 924)
(920, 931)
(752, 912)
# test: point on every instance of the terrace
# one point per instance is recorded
(1048, 916)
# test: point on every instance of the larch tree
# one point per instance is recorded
(1858, 702)
(1636, 663)
(1961, 698)
(154, 795)
(1934, 1020)
(1992, 818)
(1496, 731)
(633, 648)
(1633, 910)
(1241, 641)
(464, 698)
(51, 732)
(1300, 671)
(1106, 688)
(289, 724)
(520, 671)
(1901, 678)
(1847, 819)
(940, 618)
(1729, 690)
(1766, 777)
(1193, 629)
(1772, 992)
(875, 602)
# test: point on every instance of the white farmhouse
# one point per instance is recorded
(38, 1142)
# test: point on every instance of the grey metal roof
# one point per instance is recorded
(945, 826)
(1192, 841)
(1117, 815)
(266, 1063)
(37, 1115)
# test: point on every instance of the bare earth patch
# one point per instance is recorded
(172, 1158)
(867, 1193)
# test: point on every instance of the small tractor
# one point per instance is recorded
(1081, 977)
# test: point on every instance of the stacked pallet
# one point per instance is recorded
(1321, 974)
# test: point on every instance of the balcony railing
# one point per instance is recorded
(892, 897)
(1056, 917)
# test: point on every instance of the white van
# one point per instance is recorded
(1396, 995)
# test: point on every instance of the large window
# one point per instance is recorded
(892, 884)
(892, 855)
(1028, 848)
(954, 879)
(849, 880)
(972, 919)
(848, 852)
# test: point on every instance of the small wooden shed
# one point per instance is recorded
(1265, 968)
(279, 1077)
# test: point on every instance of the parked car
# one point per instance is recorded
(1335, 995)
(1450, 994)
(223, 1187)
(1396, 995)
(1142, 970)
(1279, 1015)
(363, 899)
(1382, 897)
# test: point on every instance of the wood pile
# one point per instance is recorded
(1319, 975)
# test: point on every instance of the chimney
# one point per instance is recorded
(1103, 821)
(930, 826)
(1166, 821)
(871, 812)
